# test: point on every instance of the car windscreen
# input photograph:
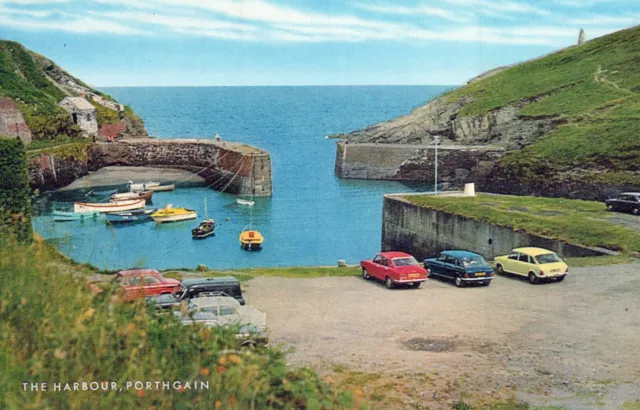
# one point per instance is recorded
(407, 261)
(548, 258)
(473, 261)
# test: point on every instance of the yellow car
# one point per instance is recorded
(535, 263)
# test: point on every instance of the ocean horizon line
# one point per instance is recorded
(274, 86)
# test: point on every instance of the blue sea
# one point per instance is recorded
(313, 217)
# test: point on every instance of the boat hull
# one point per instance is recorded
(83, 207)
(151, 186)
(251, 240)
(174, 218)
(146, 195)
(141, 215)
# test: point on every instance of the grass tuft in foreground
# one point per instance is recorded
(54, 329)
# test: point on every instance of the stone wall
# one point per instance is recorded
(12, 123)
(424, 232)
(50, 171)
(242, 169)
(399, 162)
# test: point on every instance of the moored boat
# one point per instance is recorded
(136, 215)
(204, 230)
(109, 207)
(244, 202)
(146, 195)
(150, 186)
(251, 240)
(63, 216)
(171, 214)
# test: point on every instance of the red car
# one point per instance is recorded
(395, 268)
(145, 282)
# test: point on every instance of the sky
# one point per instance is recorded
(301, 42)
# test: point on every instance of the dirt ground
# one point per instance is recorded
(574, 343)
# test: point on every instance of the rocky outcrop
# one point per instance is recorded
(501, 127)
(12, 123)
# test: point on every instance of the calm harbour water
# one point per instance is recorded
(313, 218)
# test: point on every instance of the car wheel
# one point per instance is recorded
(561, 278)
(500, 269)
(388, 283)
(533, 279)
(487, 283)
(416, 284)
(365, 274)
(635, 211)
(459, 282)
(609, 207)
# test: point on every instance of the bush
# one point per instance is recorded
(15, 201)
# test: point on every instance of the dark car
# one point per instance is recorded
(625, 202)
(461, 266)
(201, 287)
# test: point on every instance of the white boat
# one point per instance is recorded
(150, 186)
(109, 207)
(244, 202)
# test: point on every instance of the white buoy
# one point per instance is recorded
(470, 189)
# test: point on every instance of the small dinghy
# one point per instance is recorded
(204, 230)
(150, 186)
(146, 195)
(171, 214)
(244, 202)
(62, 216)
(137, 215)
(109, 207)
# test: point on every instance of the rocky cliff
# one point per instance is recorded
(568, 121)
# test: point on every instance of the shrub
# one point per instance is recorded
(15, 201)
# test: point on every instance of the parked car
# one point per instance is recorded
(201, 287)
(462, 267)
(535, 263)
(625, 202)
(394, 268)
(145, 282)
(216, 311)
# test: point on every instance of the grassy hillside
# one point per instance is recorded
(594, 88)
(54, 329)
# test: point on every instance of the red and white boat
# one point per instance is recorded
(109, 207)
(132, 195)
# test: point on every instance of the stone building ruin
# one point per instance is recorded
(12, 123)
(83, 114)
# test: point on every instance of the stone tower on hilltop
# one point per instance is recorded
(581, 37)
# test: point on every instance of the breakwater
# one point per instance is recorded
(425, 232)
(233, 167)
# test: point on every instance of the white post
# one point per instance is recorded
(435, 186)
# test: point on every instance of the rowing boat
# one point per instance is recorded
(109, 207)
(170, 214)
(101, 193)
(146, 195)
(244, 202)
(136, 215)
(150, 186)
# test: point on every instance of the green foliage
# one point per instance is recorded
(593, 88)
(86, 336)
(105, 115)
(38, 146)
(52, 126)
(15, 202)
(580, 222)
(78, 150)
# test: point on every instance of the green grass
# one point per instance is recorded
(38, 145)
(53, 328)
(593, 88)
(303, 272)
(575, 221)
(599, 261)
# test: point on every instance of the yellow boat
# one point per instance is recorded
(251, 240)
(170, 214)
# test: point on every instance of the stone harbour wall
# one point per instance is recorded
(237, 168)
(424, 232)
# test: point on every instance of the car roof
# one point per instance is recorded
(221, 280)
(459, 253)
(533, 251)
(631, 193)
(130, 272)
(391, 255)
(214, 301)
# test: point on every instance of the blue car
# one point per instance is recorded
(461, 267)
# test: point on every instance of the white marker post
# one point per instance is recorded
(436, 139)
